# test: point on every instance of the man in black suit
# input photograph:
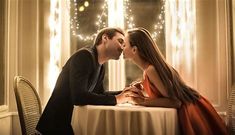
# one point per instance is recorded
(81, 83)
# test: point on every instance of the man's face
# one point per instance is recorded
(114, 46)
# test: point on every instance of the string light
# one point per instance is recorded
(128, 16)
(102, 19)
(158, 26)
(74, 20)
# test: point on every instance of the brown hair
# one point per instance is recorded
(149, 52)
(109, 31)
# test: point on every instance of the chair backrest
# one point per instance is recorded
(28, 104)
(231, 113)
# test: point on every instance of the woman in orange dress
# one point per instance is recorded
(165, 88)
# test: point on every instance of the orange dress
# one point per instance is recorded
(194, 119)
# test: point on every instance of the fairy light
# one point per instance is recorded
(74, 20)
(101, 23)
(158, 26)
(81, 9)
(128, 16)
(86, 3)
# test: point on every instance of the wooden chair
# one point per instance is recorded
(28, 104)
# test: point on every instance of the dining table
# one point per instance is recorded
(124, 119)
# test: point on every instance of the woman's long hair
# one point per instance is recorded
(149, 51)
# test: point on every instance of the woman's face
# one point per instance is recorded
(127, 49)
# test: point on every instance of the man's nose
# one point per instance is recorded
(120, 49)
(122, 46)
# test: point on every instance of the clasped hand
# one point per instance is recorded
(131, 94)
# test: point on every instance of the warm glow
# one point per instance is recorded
(182, 21)
(55, 32)
(117, 77)
(86, 3)
(119, 11)
(115, 13)
(125, 14)
(81, 8)
(157, 26)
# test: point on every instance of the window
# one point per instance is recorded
(146, 14)
(2, 48)
(89, 16)
(86, 15)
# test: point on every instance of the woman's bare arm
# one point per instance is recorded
(164, 101)
(161, 102)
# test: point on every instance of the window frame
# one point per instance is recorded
(4, 107)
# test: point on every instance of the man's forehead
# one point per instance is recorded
(119, 35)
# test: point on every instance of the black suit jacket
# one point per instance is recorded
(71, 89)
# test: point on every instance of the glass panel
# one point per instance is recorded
(150, 15)
(2, 45)
(84, 20)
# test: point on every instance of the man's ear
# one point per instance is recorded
(104, 37)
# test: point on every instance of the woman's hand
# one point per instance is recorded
(136, 100)
(130, 95)
(137, 84)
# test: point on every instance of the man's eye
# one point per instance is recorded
(120, 41)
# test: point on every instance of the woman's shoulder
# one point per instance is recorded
(150, 70)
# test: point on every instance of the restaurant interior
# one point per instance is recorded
(196, 37)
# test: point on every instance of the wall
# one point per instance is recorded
(212, 49)
(22, 55)
(28, 53)
(208, 66)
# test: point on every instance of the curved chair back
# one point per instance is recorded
(28, 104)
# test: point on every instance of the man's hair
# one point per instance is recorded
(110, 32)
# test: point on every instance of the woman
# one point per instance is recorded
(165, 88)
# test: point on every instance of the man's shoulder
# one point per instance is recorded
(85, 52)
(86, 48)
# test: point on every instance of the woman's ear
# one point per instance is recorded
(134, 49)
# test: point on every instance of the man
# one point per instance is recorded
(81, 82)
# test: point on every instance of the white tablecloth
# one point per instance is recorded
(124, 120)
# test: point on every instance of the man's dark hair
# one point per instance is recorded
(110, 32)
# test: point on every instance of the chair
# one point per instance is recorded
(28, 104)
(231, 113)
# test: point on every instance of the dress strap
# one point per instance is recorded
(147, 67)
(144, 72)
